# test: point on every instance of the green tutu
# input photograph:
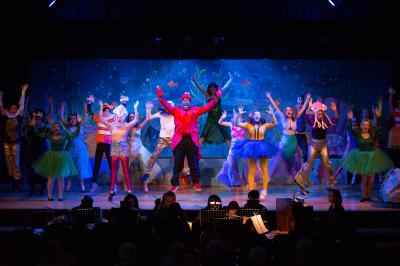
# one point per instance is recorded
(55, 164)
(367, 162)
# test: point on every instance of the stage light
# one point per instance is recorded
(158, 39)
(332, 3)
(52, 2)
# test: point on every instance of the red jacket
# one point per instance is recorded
(186, 121)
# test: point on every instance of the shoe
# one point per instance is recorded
(174, 188)
(370, 199)
(263, 195)
(50, 198)
(304, 192)
(16, 186)
(94, 187)
(112, 194)
(363, 200)
(145, 177)
(197, 187)
(146, 188)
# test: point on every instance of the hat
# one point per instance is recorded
(186, 95)
(120, 111)
(123, 98)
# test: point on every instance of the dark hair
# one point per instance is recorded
(253, 194)
(337, 196)
(212, 84)
(130, 201)
(127, 117)
(214, 198)
(168, 198)
(233, 205)
(262, 120)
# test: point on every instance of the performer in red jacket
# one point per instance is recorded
(185, 141)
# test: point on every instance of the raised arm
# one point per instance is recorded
(237, 118)
(198, 86)
(228, 83)
(269, 97)
(163, 102)
(85, 114)
(62, 115)
(270, 111)
(334, 109)
(303, 108)
(136, 120)
(50, 114)
(222, 122)
(204, 109)
(22, 100)
(104, 121)
(391, 93)
(350, 129)
(1, 104)
(149, 116)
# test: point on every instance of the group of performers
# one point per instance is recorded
(58, 151)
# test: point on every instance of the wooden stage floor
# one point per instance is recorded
(192, 200)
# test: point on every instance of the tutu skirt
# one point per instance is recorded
(367, 162)
(254, 149)
(55, 164)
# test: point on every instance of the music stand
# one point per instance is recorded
(213, 215)
(83, 216)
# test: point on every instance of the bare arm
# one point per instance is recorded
(198, 86)
(228, 83)
(222, 122)
(61, 113)
(391, 107)
(303, 108)
(22, 100)
(102, 120)
(269, 97)
(85, 114)
(136, 120)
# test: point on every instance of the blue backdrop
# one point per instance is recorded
(346, 81)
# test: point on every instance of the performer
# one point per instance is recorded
(319, 122)
(185, 142)
(77, 147)
(56, 163)
(288, 161)
(394, 134)
(139, 154)
(119, 147)
(12, 120)
(37, 146)
(301, 127)
(230, 175)
(256, 147)
(365, 159)
(103, 139)
(213, 133)
(167, 128)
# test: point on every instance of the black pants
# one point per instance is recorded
(186, 148)
(302, 142)
(101, 148)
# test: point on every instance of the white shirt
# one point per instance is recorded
(167, 125)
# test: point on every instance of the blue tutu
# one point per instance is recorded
(254, 149)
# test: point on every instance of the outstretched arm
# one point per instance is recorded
(198, 86)
(210, 104)
(222, 122)
(20, 111)
(303, 108)
(391, 107)
(237, 118)
(228, 83)
(270, 111)
(85, 114)
(163, 102)
(50, 114)
(150, 116)
(104, 121)
(61, 113)
(269, 97)
(136, 120)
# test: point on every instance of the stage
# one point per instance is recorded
(192, 200)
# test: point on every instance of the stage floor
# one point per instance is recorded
(192, 200)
